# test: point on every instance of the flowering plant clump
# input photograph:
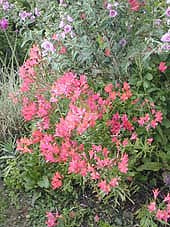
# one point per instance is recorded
(68, 116)
(161, 213)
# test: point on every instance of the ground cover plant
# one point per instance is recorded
(85, 117)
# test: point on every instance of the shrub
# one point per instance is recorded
(98, 138)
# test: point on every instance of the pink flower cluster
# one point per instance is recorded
(52, 219)
(56, 132)
(27, 70)
(161, 214)
(134, 5)
(56, 181)
(151, 122)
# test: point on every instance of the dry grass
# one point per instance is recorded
(11, 122)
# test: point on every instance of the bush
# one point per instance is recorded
(99, 137)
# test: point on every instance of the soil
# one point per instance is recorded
(10, 215)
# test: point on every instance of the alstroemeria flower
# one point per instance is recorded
(162, 67)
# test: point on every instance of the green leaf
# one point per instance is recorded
(149, 76)
(60, 223)
(36, 196)
(146, 84)
(7, 157)
(44, 182)
(153, 166)
(166, 123)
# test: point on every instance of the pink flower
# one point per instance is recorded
(123, 164)
(107, 52)
(78, 166)
(155, 193)
(52, 219)
(4, 24)
(134, 4)
(162, 67)
(167, 198)
(153, 123)
(162, 215)
(125, 142)
(108, 88)
(134, 136)
(56, 181)
(149, 141)
(158, 116)
(104, 186)
(152, 206)
(96, 218)
(29, 111)
(22, 145)
(55, 37)
(114, 182)
(126, 92)
(63, 50)
(37, 136)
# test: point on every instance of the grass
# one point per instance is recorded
(11, 122)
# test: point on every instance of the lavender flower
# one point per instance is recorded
(23, 15)
(69, 19)
(67, 28)
(32, 18)
(116, 4)
(61, 25)
(109, 6)
(166, 46)
(168, 12)
(112, 13)
(166, 38)
(63, 35)
(47, 46)
(123, 42)
(157, 22)
(62, 3)
(72, 34)
(6, 6)
(4, 24)
(37, 12)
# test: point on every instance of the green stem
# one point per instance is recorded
(12, 49)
